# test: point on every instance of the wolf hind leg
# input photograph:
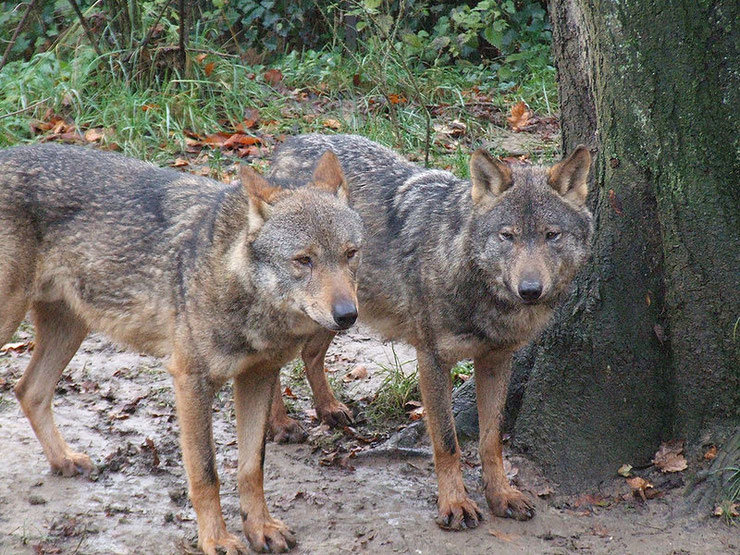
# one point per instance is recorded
(59, 333)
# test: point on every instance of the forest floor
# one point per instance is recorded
(342, 492)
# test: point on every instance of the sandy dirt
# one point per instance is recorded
(338, 492)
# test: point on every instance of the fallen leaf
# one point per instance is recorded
(289, 393)
(147, 107)
(727, 509)
(545, 491)
(273, 76)
(639, 486)
(94, 135)
(208, 68)
(358, 373)
(179, 163)
(396, 98)
(240, 139)
(216, 139)
(711, 453)
(519, 116)
(625, 470)
(200, 57)
(251, 117)
(332, 123)
(590, 499)
(501, 536)
(669, 458)
(416, 414)
(18, 347)
(510, 470)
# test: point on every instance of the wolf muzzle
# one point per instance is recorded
(344, 313)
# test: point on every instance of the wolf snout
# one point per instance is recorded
(530, 290)
(344, 313)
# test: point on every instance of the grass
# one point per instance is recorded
(730, 504)
(148, 118)
(399, 386)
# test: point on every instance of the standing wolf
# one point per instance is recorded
(458, 270)
(227, 280)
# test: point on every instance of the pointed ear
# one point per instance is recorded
(261, 196)
(570, 177)
(490, 176)
(328, 175)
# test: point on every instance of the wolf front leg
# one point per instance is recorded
(194, 400)
(253, 391)
(492, 374)
(456, 510)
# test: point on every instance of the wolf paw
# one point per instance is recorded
(287, 431)
(459, 515)
(269, 536)
(335, 414)
(510, 503)
(72, 464)
(224, 543)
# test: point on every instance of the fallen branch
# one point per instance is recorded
(83, 22)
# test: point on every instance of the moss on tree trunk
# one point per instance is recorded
(646, 348)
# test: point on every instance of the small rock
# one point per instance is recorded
(35, 499)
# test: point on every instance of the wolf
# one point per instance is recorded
(459, 270)
(228, 281)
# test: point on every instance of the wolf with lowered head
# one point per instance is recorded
(228, 281)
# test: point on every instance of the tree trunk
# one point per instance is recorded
(647, 347)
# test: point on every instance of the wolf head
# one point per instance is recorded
(304, 244)
(531, 229)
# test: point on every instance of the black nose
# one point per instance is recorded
(344, 313)
(530, 290)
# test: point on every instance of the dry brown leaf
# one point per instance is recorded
(711, 453)
(208, 68)
(396, 98)
(200, 57)
(289, 393)
(251, 117)
(239, 139)
(179, 163)
(94, 135)
(332, 123)
(639, 486)
(519, 116)
(273, 76)
(17, 347)
(147, 107)
(417, 413)
(669, 458)
(358, 373)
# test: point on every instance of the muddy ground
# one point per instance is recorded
(340, 493)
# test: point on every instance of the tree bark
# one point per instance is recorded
(646, 349)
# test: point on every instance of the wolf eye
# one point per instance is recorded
(351, 253)
(303, 261)
(552, 235)
(506, 236)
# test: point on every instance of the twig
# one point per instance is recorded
(17, 32)
(83, 22)
(29, 107)
(149, 33)
(183, 16)
(419, 96)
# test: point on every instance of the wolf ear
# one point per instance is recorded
(261, 196)
(328, 175)
(570, 177)
(490, 176)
